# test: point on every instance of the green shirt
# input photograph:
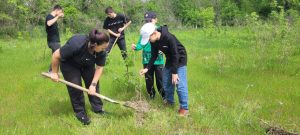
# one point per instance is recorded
(147, 53)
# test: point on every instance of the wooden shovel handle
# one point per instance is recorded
(82, 89)
(114, 44)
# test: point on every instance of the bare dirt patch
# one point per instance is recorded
(141, 107)
(278, 131)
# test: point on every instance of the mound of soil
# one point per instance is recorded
(278, 131)
(141, 108)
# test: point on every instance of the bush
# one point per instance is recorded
(207, 15)
(229, 13)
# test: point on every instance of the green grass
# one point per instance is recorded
(237, 76)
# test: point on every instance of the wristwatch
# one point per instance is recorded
(94, 84)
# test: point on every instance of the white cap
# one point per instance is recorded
(146, 32)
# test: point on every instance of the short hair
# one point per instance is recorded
(57, 7)
(109, 10)
(98, 37)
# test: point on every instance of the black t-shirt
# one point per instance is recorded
(52, 31)
(176, 55)
(75, 52)
(115, 23)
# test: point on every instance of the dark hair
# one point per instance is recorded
(109, 10)
(57, 7)
(97, 37)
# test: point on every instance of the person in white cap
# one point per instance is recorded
(175, 70)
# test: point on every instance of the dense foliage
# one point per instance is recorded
(20, 17)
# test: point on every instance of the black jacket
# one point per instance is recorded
(175, 52)
(75, 52)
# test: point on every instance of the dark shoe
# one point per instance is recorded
(101, 112)
(168, 104)
(152, 96)
(83, 119)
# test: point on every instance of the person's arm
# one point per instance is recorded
(55, 65)
(174, 54)
(124, 27)
(52, 21)
(96, 78)
(112, 33)
(138, 46)
(127, 22)
(174, 57)
(105, 26)
(154, 54)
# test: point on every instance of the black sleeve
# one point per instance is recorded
(125, 18)
(69, 50)
(154, 54)
(101, 59)
(105, 24)
(174, 53)
(49, 17)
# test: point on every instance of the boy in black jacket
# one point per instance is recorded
(175, 72)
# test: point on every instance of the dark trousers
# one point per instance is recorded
(149, 77)
(74, 74)
(121, 43)
(53, 46)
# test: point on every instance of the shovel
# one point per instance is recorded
(113, 44)
(86, 90)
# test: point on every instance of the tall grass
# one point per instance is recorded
(237, 77)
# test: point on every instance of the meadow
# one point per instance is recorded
(241, 80)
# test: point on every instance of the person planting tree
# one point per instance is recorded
(175, 70)
(157, 67)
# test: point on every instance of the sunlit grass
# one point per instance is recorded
(236, 78)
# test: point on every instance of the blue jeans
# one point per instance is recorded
(182, 88)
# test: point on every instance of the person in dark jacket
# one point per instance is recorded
(77, 59)
(175, 70)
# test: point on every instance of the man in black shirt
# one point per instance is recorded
(115, 24)
(77, 59)
(52, 28)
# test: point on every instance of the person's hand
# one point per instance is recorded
(54, 77)
(118, 35)
(143, 71)
(133, 46)
(120, 30)
(92, 90)
(175, 79)
(61, 15)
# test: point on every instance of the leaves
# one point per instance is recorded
(82, 15)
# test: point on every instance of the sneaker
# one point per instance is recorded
(152, 96)
(83, 119)
(182, 112)
(101, 112)
(168, 104)
(49, 71)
